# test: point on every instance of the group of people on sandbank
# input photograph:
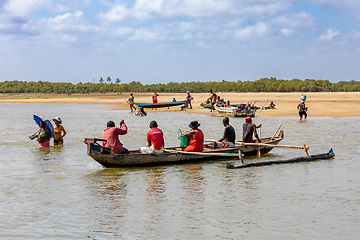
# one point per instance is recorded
(156, 142)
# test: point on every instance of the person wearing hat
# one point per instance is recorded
(228, 140)
(131, 102)
(111, 135)
(302, 109)
(59, 132)
(196, 138)
(249, 129)
(155, 139)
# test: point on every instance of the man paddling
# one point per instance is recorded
(228, 140)
(249, 129)
(111, 134)
(155, 139)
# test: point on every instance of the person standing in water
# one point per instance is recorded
(59, 132)
(302, 110)
(44, 135)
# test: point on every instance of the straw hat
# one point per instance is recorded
(58, 119)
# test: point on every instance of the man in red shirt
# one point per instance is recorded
(155, 138)
(111, 133)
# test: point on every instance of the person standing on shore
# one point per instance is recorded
(212, 99)
(249, 129)
(302, 110)
(188, 99)
(154, 97)
(131, 102)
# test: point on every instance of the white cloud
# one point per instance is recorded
(300, 19)
(21, 8)
(330, 34)
(258, 30)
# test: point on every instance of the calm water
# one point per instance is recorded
(61, 193)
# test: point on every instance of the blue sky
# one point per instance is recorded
(160, 41)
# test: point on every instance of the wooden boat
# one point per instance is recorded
(173, 155)
(236, 112)
(330, 154)
(205, 105)
(160, 105)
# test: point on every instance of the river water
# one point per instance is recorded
(61, 193)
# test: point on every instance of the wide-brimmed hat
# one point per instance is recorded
(248, 119)
(58, 119)
(194, 124)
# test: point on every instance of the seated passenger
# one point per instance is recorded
(249, 129)
(228, 140)
(196, 138)
(155, 138)
(111, 134)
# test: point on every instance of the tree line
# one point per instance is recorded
(261, 85)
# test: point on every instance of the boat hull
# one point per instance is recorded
(160, 105)
(135, 158)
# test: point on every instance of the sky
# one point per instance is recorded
(161, 41)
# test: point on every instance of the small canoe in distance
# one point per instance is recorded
(330, 154)
(172, 155)
(160, 105)
(235, 112)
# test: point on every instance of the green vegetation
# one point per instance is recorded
(262, 85)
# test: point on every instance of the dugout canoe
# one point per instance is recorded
(160, 105)
(172, 155)
(329, 155)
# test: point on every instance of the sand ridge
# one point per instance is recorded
(332, 104)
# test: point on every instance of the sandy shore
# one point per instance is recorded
(338, 104)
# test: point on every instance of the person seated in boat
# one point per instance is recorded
(174, 100)
(249, 129)
(59, 132)
(222, 103)
(111, 135)
(228, 140)
(228, 103)
(272, 105)
(44, 135)
(155, 139)
(196, 138)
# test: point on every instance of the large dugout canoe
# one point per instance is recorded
(173, 155)
(160, 105)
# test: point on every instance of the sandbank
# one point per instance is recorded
(320, 104)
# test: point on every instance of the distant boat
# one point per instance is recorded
(236, 111)
(160, 105)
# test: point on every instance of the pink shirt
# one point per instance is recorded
(111, 135)
(155, 135)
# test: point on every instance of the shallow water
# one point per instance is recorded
(61, 193)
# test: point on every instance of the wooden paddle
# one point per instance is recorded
(275, 132)
(259, 152)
